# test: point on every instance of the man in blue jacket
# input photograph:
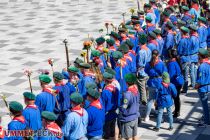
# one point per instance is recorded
(31, 112)
(96, 115)
(202, 32)
(129, 109)
(203, 84)
(110, 98)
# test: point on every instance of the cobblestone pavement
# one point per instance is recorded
(31, 31)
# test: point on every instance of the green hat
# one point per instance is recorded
(152, 1)
(16, 106)
(136, 22)
(100, 40)
(84, 65)
(77, 61)
(130, 78)
(203, 51)
(147, 5)
(45, 78)
(95, 53)
(115, 35)
(73, 69)
(166, 13)
(152, 34)
(203, 19)
(110, 70)
(169, 24)
(107, 76)
(185, 8)
(117, 55)
(124, 48)
(181, 22)
(143, 38)
(134, 17)
(185, 29)
(166, 77)
(140, 12)
(193, 27)
(29, 95)
(131, 32)
(91, 85)
(128, 23)
(129, 43)
(130, 27)
(50, 116)
(111, 42)
(157, 31)
(58, 76)
(148, 18)
(76, 98)
(195, 1)
(122, 30)
(93, 93)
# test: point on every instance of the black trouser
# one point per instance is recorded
(177, 101)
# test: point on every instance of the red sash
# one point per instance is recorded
(96, 104)
(19, 119)
(78, 110)
(206, 61)
(31, 106)
(166, 84)
(133, 89)
(110, 88)
(55, 129)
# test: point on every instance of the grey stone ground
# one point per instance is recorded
(31, 31)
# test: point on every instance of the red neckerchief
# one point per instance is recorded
(159, 37)
(144, 47)
(117, 42)
(78, 109)
(154, 42)
(206, 60)
(133, 52)
(154, 6)
(195, 34)
(1, 132)
(112, 48)
(166, 84)
(187, 14)
(110, 88)
(149, 11)
(31, 106)
(185, 36)
(173, 59)
(96, 104)
(133, 89)
(88, 73)
(141, 17)
(140, 30)
(170, 32)
(50, 90)
(125, 38)
(122, 63)
(127, 56)
(195, 6)
(156, 62)
(100, 48)
(150, 25)
(202, 24)
(166, 20)
(19, 119)
(98, 61)
(60, 84)
(55, 129)
(131, 36)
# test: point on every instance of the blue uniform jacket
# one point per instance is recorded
(155, 73)
(152, 15)
(132, 54)
(165, 94)
(82, 84)
(160, 44)
(32, 113)
(129, 109)
(203, 76)
(157, 14)
(153, 45)
(184, 49)
(195, 13)
(110, 98)
(45, 101)
(203, 33)
(174, 71)
(96, 119)
(75, 126)
(168, 44)
(208, 37)
(195, 45)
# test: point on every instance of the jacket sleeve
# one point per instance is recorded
(173, 90)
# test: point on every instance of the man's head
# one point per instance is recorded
(29, 98)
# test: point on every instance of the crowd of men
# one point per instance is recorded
(149, 60)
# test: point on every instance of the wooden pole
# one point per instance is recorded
(67, 52)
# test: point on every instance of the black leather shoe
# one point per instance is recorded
(156, 129)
